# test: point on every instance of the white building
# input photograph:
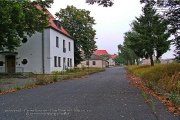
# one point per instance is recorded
(51, 50)
(111, 60)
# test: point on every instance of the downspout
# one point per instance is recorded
(102, 62)
(43, 52)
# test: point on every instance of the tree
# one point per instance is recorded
(152, 36)
(133, 41)
(78, 23)
(173, 15)
(119, 60)
(126, 54)
(133, 52)
(105, 3)
(20, 19)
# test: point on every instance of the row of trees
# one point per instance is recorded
(149, 35)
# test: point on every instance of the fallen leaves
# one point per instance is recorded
(141, 84)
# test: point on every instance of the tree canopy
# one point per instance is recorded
(172, 13)
(126, 54)
(104, 3)
(79, 24)
(20, 18)
(150, 34)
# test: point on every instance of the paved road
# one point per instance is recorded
(102, 96)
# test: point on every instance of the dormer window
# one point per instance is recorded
(58, 24)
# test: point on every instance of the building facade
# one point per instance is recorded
(51, 50)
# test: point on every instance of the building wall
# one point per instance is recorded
(47, 56)
(167, 61)
(98, 64)
(32, 52)
(147, 61)
(111, 62)
(2, 68)
(58, 51)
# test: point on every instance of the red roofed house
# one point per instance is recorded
(104, 54)
(101, 52)
(51, 50)
(94, 61)
(110, 61)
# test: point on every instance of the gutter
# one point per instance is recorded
(43, 52)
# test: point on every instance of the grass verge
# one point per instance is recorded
(162, 81)
(43, 79)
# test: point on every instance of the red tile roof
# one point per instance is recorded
(101, 52)
(113, 56)
(53, 25)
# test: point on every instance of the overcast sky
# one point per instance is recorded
(111, 22)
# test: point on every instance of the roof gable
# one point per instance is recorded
(95, 57)
(113, 56)
(53, 24)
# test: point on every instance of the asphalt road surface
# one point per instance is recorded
(102, 96)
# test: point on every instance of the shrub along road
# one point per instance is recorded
(102, 96)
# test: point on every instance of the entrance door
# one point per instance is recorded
(10, 64)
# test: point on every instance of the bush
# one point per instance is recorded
(42, 80)
(55, 78)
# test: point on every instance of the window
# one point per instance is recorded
(24, 61)
(94, 62)
(59, 61)
(24, 40)
(1, 63)
(58, 25)
(64, 63)
(70, 62)
(57, 42)
(55, 61)
(64, 48)
(69, 46)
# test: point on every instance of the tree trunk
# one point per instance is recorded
(152, 62)
(137, 61)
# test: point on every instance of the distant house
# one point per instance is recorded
(167, 61)
(51, 50)
(162, 61)
(93, 61)
(147, 61)
(110, 58)
(101, 52)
